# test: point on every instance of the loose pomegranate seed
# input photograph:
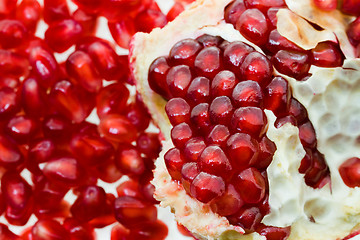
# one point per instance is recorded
(193, 148)
(349, 172)
(130, 211)
(21, 128)
(108, 171)
(6, 233)
(318, 170)
(157, 76)
(277, 42)
(178, 111)
(7, 8)
(78, 231)
(93, 6)
(253, 25)
(223, 84)
(251, 185)
(274, 233)
(55, 10)
(234, 10)
(149, 144)
(247, 93)
(129, 188)
(129, 160)
(351, 7)
(138, 115)
(33, 98)
(206, 187)
(117, 128)
(267, 149)
(174, 11)
(198, 91)
(148, 19)
(227, 204)
(234, 55)
(9, 82)
(56, 127)
(180, 134)
(292, 63)
(122, 31)
(174, 161)
(297, 110)
(48, 229)
(178, 80)
(250, 120)
(147, 188)
(11, 156)
(208, 62)
(184, 52)
(87, 21)
(221, 110)
(13, 64)
(60, 210)
(277, 96)
(307, 135)
(247, 217)
(119, 232)
(214, 161)
(61, 35)
(12, 33)
(39, 152)
(327, 54)
(256, 67)
(271, 14)
(188, 173)
(9, 102)
(208, 40)
(264, 5)
(156, 230)
(200, 117)
(242, 150)
(218, 135)
(326, 5)
(307, 162)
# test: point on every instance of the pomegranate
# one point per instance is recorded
(247, 95)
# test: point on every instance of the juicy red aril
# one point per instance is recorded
(297, 110)
(208, 62)
(206, 187)
(327, 54)
(221, 110)
(129, 160)
(117, 128)
(87, 21)
(11, 156)
(129, 188)
(214, 161)
(7, 8)
(122, 31)
(193, 149)
(5, 232)
(326, 5)
(13, 65)
(178, 111)
(271, 14)
(251, 120)
(267, 149)
(223, 84)
(208, 40)
(180, 134)
(148, 19)
(233, 11)
(307, 161)
(9, 102)
(198, 91)
(55, 10)
(108, 171)
(277, 96)
(218, 135)
(256, 67)
(351, 7)
(77, 230)
(292, 63)
(200, 118)
(61, 35)
(149, 144)
(119, 232)
(184, 52)
(274, 233)
(264, 5)
(12, 33)
(56, 127)
(251, 185)
(21, 128)
(247, 93)
(33, 98)
(178, 80)
(48, 229)
(174, 11)
(188, 173)
(130, 211)
(157, 76)
(242, 150)
(156, 230)
(253, 25)
(174, 161)
(307, 135)
(138, 115)
(81, 70)
(247, 217)
(39, 152)
(277, 42)
(318, 170)
(227, 204)
(350, 172)
(234, 54)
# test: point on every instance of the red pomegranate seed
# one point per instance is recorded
(117, 128)
(267, 149)
(93, 6)
(227, 204)
(9, 102)
(250, 120)
(21, 128)
(48, 229)
(11, 155)
(251, 185)
(61, 35)
(274, 233)
(87, 21)
(208, 62)
(271, 14)
(147, 188)
(138, 115)
(253, 25)
(256, 67)
(129, 160)
(208, 40)
(33, 98)
(156, 230)
(9, 82)
(129, 188)
(40, 151)
(81, 70)
(55, 10)
(149, 144)
(174, 161)
(264, 5)
(5, 232)
(292, 63)
(327, 54)
(78, 231)
(193, 149)
(307, 162)
(206, 187)
(178, 80)
(64, 171)
(200, 117)
(351, 7)
(13, 64)
(298, 111)
(184, 52)
(223, 84)
(281, 121)
(174, 11)
(198, 91)
(157, 76)
(188, 173)
(178, 111)
(242, 150)
(234, 54)
(7, 8)
(48, 195)
(119, 232)
(214, 161)
(277, 96)
(277, 42)
(307, 135)
(247, 93)
(247, 217)
(326, 5)
(148, 19)
(122, 31)
(12, 33)
(71, 101)
(234, 10)
(44, 65)
(180, 134)
(108, 171)
(60, 210)
(221, 110)
(318, 170)
(130, 211)
(56, 127)
(349, 172)
(218, 135)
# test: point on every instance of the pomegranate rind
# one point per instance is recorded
(206, 16)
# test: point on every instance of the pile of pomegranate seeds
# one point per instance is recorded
(48, 147)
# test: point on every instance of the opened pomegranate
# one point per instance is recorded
(255, 100)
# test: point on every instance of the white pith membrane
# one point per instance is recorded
(330, 96)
